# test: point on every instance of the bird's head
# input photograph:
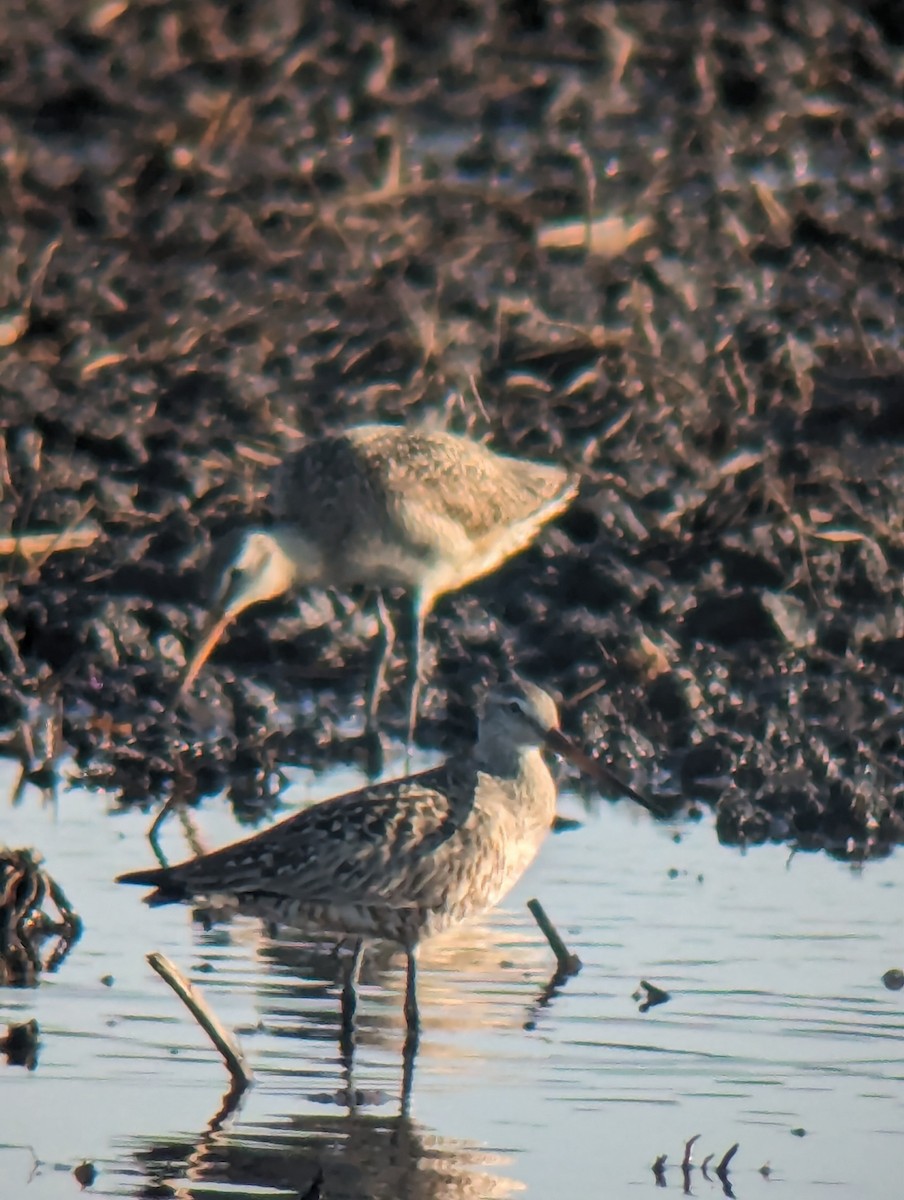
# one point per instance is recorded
(521, 717)
(246, 567)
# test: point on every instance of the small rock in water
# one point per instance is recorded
(21, 1045)
(650, 995)
(894, 979)
(85, 1173)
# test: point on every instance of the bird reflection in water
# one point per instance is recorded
(471, 977)
(352, 1157)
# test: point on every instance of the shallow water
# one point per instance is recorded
(778, 1022)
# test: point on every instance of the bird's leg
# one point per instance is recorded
(350, 1001)
(350, 983)
(378, 679)
(409, 1058)
(412, 1018)
(412, 1033)
(415, 665)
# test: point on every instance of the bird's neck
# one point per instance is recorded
(528, 791)
(301, 555)
(501, 758)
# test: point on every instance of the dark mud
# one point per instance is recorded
(224, 225)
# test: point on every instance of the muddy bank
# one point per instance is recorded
(225, 227)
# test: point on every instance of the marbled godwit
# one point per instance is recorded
(404, 859)
(386, 506)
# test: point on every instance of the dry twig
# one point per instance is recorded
(31, 545)
(206, 1018)
(568, 963)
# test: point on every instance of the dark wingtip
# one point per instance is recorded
(166, 891)
(148, 878)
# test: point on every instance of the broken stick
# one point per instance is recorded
(206, 1018)
(568, 963)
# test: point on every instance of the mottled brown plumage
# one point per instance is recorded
(405, 859)
(386, 506)
(423, 510)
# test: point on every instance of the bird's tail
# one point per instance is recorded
(167, 889)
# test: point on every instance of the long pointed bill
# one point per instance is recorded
(597, 771)
(219, 619)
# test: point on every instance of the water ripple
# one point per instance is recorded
(777, 1022)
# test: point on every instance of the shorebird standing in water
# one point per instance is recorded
(400, 860)
(386, 506)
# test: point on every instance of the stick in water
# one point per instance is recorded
(206, 1018)
(569, 964)
(722, 1168)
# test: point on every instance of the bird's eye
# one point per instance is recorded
(514, 706)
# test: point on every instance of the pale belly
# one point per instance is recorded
(334, 922)
(407, 926)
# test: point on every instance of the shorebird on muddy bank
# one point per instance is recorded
(385, 506)
(404, 859)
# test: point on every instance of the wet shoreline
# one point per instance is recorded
(779, 1033)
(225, 233)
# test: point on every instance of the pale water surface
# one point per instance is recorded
(778, 1022)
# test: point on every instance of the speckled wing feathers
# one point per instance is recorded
(415, 487)
(388, 845)
(466, 482)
